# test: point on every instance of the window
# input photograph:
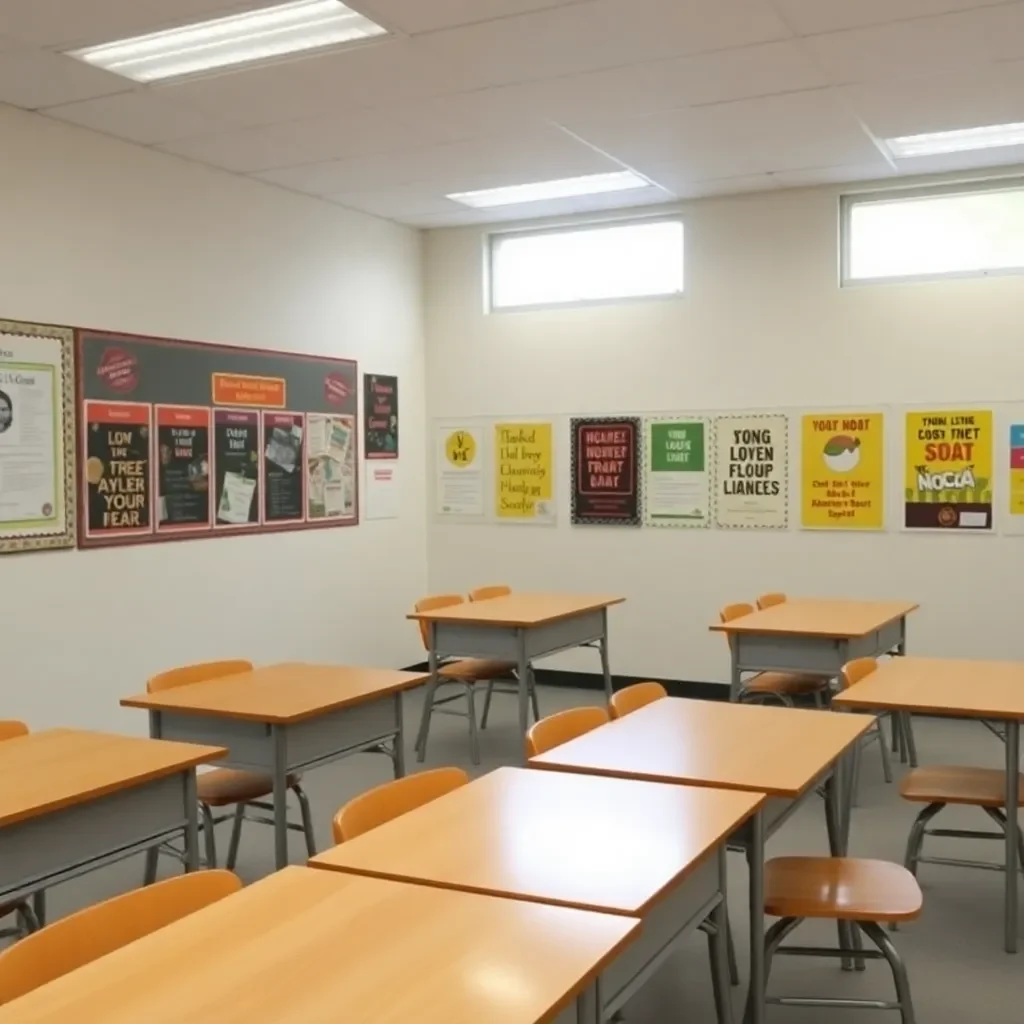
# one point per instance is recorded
(969, 230)
(596, 263)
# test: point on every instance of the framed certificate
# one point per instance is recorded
(37, 437)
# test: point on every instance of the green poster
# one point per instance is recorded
(678, 488)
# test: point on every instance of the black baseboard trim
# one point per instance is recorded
(592, 681)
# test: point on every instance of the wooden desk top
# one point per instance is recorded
(318, 947)
(48, 771)
(520, 609)
(280, 693)
(942, 686)
(820, 618)
(774, 750)
(607, 845)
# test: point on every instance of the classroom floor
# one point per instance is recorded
(958, 970)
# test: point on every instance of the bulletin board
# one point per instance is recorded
(181, 439)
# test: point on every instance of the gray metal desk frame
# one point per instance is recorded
(56, 846)
(521, 645)
(283, 748)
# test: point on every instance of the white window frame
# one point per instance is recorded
(849, 200)
(492, 239)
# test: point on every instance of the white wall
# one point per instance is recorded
(763, 324)
(99, 233)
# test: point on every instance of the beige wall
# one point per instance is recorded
(763, 324)
(100, 233)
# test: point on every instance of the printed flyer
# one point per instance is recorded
(1015, 523)
(523, 476)
(948, 476)
(460, 477)
(842, 471)
(605, 471)
(752, 485)
(677, 486)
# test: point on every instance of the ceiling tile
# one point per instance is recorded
(512, 159)
(922, 47)
(68, 23)
(875, 170)
(398, 203)
(809, 17)
(140, 116)
(726, 140)
(415, 16)
(600, 34)
(36, 78)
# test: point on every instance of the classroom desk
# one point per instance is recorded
(312, 947)
(986, 690)
(283, 719)
(74, 801)
(608, 845)
(785, 753)
(519, 628)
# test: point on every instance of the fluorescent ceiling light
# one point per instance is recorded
(990, 136)
(236, 39)
(563, 188)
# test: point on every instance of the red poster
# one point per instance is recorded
(606, 471)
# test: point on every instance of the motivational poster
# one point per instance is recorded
(677, 489)
(842, 471)
(118, 483)
(752, 485)
(948, 479)
(380, 416)
(283, 478)
(183, 468)
(1016, 488)
(330, 467)
(236, 459)
(460, 477)
(605, 471)
(523, 476)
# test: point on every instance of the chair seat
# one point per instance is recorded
(225, 786)
(788, 683)
(840, 888)
(949, 784)
(475, 669)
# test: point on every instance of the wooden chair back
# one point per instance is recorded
(486, 593)
(203, 672)
(429, 604)
(559, 728)
(634, 697)
(735, 611)
(854, 671)
(393, 799)
(11, 729)
(770, 601)
(80, 938)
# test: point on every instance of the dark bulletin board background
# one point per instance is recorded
(136, 368)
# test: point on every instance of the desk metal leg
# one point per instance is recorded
(192, 822)
(1012, 816)
(399, 740)
(604, 657)
(523, 692)
(279, 742)
(755, 862)
(735, 676)
(39, 907)
(588, 1005)
(720, 943)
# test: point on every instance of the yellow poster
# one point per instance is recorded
(842, 471)
(522, 457)
(948, 477)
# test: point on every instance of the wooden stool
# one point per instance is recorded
(862, 892)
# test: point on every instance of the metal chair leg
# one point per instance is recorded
(533, 694)
(908, 729)
(307, 819)
(474, 739)
(152, 856)
(487, 704)
(719, 976)
(730, 942)
(899, 971)
(773, 938)
(236, 836)
(916, 838)
(209, 840)
(424, 730)
(29, 921)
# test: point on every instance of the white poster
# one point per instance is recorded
(381, 490)
(752, 461)
(677, 491)
(460, 476)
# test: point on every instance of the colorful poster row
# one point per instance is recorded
(171, 470)
(733, 471)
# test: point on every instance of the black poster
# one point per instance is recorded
(183, 468)
(380, 416)
(117, 469)
(283, 499)
(606, 471)
(236, 448)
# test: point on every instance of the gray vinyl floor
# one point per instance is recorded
(958, 970)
